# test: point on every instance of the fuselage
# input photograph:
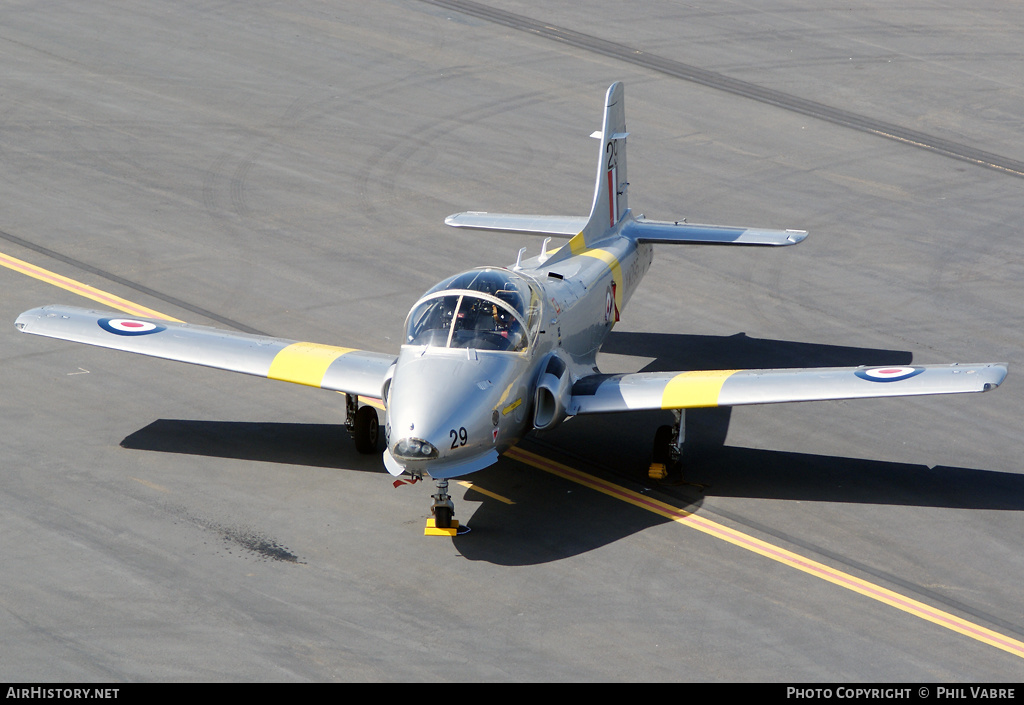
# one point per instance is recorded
(492, 353)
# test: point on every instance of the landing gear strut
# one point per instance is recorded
(443, 508)
(668, 448)
(362, 425)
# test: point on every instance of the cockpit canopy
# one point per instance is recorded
(485, 309)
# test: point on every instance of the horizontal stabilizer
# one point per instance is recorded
(689, 390)
(643, 230)
(554, 225)
(324, 366)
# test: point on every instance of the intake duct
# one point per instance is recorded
(554, 391)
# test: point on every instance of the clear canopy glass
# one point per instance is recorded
(485, 309)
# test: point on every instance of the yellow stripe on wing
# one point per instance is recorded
(690, 390)
(305, 363)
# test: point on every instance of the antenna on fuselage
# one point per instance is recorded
(544, 251)
(519, 260)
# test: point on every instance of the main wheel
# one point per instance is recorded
(366, 430)
(661, 456)
(443, 517)
(662, 452)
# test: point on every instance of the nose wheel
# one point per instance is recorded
(443, 508)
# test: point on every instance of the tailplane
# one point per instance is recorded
(610, 206)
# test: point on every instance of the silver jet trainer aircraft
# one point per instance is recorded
(490, 354)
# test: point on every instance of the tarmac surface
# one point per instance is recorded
(286, 168)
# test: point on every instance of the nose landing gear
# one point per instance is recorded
(442, 510)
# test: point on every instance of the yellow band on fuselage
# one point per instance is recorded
(305, 363)
(689, 390)
(613, 264)
(577, 244)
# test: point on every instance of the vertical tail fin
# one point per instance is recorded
(609, 192)
(610, 202)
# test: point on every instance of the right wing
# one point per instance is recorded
(325, 366)
(599, 393)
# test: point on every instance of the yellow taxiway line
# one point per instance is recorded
(481, 490)
(775, 553)
(681, 516)
(79, 288)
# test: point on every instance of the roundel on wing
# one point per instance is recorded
(129, 326)
(888, 374)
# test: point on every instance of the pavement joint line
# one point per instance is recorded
(728, 84)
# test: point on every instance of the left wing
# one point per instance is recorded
(689, 390)
(324, 366)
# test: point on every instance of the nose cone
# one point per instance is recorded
(440, 416)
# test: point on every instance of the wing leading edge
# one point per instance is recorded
(325, 366)
(689, 390)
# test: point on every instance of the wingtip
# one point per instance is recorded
(989, 375)
(999, 371)
(27, 318)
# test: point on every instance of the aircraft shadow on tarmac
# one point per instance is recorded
(708, 352)
(554, 519)
(553, 528)
(312, 445)
(549, 524)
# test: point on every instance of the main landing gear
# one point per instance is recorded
(362, 425)
(668, 448)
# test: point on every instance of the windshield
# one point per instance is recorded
(485, 309)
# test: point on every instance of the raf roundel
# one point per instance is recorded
(128, 326)
(888, 374)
